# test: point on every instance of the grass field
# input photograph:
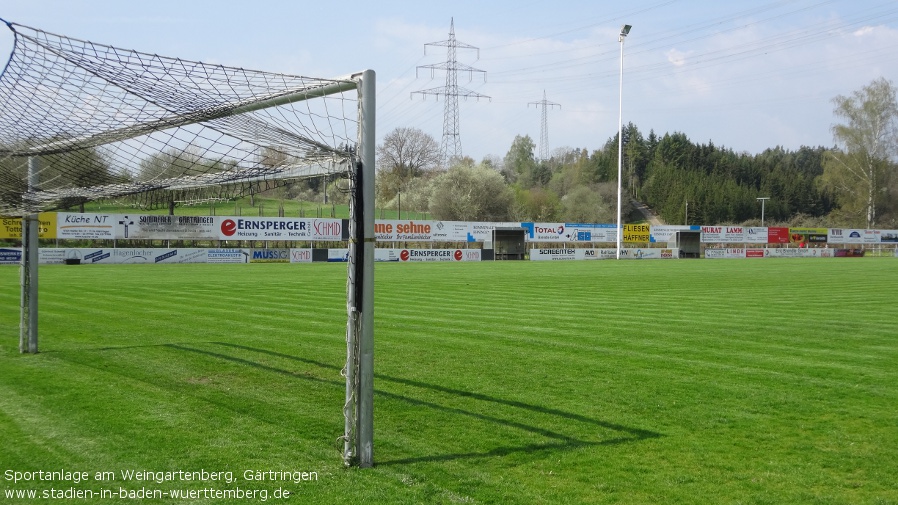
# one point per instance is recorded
(742, 382)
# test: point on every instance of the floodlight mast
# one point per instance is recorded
(762, 199)
(624, 30)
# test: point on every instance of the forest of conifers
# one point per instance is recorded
(721, 186)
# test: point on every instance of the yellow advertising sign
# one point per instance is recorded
(637, 233)
(803, 235)
(11, 227)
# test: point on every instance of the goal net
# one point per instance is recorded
(81, 121)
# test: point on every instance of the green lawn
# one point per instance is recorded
(638, 382)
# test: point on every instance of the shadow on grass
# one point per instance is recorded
(561, 441)
(556, 440)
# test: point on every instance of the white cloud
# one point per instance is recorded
(677, 57)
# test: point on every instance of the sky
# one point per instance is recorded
(745, 75)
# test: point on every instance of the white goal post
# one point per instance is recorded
(81, 121)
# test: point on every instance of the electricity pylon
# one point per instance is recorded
(451, 144)
(544, 128)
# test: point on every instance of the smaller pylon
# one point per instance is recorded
(544, 128)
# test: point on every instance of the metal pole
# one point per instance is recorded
(366, 336)
(28, 308)
(620, 135)
(763, 199)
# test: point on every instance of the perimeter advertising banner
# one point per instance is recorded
(723, 234)
(728, 253)
(546, 232)
(571, 254)
(428, 255)
(637, 233)
(776, 235)
(11, 227)
(11, 256)
(90, 256)
(87, 226)
(396, 230)
(452, 231)
(165, 227)
(570, 232)
(649, 254)
(279, 228)
(756, 235)
(583, 232)
(565, 254)
(800, 252)
(854, 236)
(808, 235)
(410, 230)
(667, 233)
(888, 237)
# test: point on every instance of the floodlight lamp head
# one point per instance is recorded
(624, 30)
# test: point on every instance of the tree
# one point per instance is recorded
(520, 163)
(587, 205)
(82, 168)
(536, 204)
(406, 153)
(470, 193)
(859, 171)
(175, 163)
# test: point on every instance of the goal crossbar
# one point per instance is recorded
(84, 114)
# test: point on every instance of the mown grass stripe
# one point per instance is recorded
(559, 382)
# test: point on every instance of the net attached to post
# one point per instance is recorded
(81, 121)
(105, 123)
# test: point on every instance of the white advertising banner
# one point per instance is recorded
(756, 235)
(582, 232)
(228, 255)
(563, 254)
(597, 254)
(396, 230)
(667, 233)
(649, 254)
(729, 253)
(427, 255)
(165, 227)
(85, 226)
(342, 255)
(733, 234)
(712, 234)
(90, 256)
(451, 231)
(723, 234)
(545, 232)
(797, 252)
(279, 228)
(301, 255)
(848, 236)
(569, 232)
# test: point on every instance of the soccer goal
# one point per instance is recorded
(81, 121)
